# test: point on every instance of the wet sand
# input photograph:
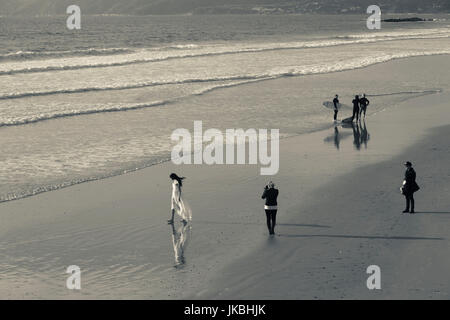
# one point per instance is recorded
(340, 211)
(323, 247)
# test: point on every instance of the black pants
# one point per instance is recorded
(271, 220)
(409, 202)
(361, 110)
(355, 113)
(335, 113)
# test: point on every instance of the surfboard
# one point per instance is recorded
(330, 105)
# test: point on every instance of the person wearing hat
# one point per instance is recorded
(271, 206)
(409, 187)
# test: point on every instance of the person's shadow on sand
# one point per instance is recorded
(357, 237)
(256, 224)
(180, 239)
(432, 212)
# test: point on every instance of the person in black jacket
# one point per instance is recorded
(336, 106)
(271, 206)
(409, 187)
(355, 108)
(364, 103)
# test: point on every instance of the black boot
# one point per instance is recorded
(407, 206)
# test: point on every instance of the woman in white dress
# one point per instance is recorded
(180, 239)
(178, 204)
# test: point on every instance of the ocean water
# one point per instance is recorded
(88, 104)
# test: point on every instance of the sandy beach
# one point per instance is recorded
(340, 212)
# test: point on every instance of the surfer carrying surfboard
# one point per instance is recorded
(336, 104)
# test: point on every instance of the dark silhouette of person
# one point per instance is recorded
(364, 102)
(356, 136)
(409, 187)
(336, 103)
(355, 108)
(271, 206)
(365, 136)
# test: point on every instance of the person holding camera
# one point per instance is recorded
(271, 206)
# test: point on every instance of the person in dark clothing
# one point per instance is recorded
(409, 187)
(355, 108)
(336, 103)
(364, 102)
(356, 136)
(337, 138)
(271, 206)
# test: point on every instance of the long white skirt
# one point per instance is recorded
(182, 209)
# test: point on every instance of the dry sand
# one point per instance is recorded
(340, 211)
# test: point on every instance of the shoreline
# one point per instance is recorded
(114, 228)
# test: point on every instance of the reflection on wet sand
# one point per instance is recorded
(180, 239)
(336, 137)
(361, 135)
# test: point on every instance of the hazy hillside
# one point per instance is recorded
(43, 7)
